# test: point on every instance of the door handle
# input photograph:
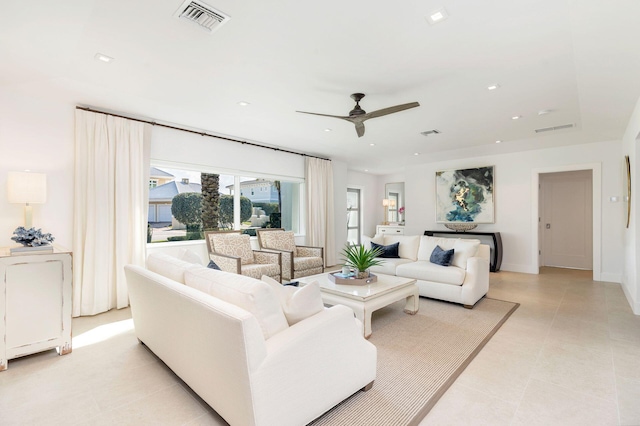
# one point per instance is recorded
(548, 226)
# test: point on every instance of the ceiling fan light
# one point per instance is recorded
(437, 16)
(493, 87)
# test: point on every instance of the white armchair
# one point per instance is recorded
(297, 261)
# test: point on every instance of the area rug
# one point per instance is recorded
(419, 357)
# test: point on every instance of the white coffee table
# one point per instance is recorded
(364, 299)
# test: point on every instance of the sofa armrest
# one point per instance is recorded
(476, 280)
(264, 256)
(314, 365)
(226, 263)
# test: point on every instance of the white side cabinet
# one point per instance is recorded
(389, 230)
(35, 304)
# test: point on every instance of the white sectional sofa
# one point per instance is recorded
(465, 281)
(248, 363)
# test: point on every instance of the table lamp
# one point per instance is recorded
(385, 203)
(27, 188)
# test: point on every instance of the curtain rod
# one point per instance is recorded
(153, 123)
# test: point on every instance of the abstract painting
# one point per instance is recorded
(465, 195)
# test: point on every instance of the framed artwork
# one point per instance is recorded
(465, 195)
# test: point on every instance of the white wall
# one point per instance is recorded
(513, 199)
(38, 134)
(630, 282)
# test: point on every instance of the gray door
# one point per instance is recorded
(567, 219)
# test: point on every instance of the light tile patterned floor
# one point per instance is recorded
(570, 355)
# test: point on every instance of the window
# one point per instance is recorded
(153, 183)
(276, 204)
(353, 216)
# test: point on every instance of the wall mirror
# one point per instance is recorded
(394, 193)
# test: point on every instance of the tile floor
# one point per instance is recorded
(570, 355)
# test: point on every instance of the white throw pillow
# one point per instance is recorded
(408, 247)
(189, 256)
(366, 240)
(247, 293)
(297, 303)
(463, 250)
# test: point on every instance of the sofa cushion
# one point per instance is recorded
(464, 249)
(427, 244)
(427, 271)
(168, 266)
(390, 251)
(189, 256)
(304, 263)
(257, 270)
(248, 293)
(297, 303)
(389, 266)
(408, 248)
(441, 257)
(366, 241)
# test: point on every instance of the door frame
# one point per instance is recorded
(596, 187)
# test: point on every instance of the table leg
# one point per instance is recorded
(413, 304)
(366, 323)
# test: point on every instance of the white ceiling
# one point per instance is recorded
(579, 58)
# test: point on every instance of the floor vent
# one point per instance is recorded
(550, 129)
(431, 132)
(202, 14)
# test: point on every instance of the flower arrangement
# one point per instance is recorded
(401, 210)
(31, 237)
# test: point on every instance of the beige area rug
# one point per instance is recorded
(419, 357)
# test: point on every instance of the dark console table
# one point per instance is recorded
(496, 248)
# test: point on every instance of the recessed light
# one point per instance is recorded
(437, 16)
(243, 103)
(372, 144)
(328, 129)
(416, 153)
(103, 58)
(493, 87)
(516, 117)
(545, 111)
(498, 141)
(366, 170)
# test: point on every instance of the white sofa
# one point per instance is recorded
(248, 366)
(465, 281)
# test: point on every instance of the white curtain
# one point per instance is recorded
(110, 209)
(320, 212)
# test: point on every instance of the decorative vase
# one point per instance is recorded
(362, 274)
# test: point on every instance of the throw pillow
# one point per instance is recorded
(213, 265)
(248, 293)
(390, 251)
(464, 250)
(441, 257)
(297, 303)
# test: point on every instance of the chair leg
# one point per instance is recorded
(368, 387)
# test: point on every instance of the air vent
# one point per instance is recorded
(431, 132)
(550, 129)
(202, 14)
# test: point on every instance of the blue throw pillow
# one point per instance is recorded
(441, 257)
(213, 265)
(390, 251)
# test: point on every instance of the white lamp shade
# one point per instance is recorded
(385, 202)
(27, 188)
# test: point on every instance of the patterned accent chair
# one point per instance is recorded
(297, 261)
(231, 251)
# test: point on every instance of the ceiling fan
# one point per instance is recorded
(358, 116)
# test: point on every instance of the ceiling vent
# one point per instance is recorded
(431, 132)
(202, 14)
(550, 129)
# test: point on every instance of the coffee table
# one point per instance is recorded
(364, 299)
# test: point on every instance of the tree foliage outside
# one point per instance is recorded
(267, 207)
(210, 201)
(226, 210)
(187, 208)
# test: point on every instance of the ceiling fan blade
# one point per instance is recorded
(325, 115)
(390, 110)
(359, 128)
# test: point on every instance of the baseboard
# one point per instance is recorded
(611, 278)
(635, 306)
(514, 267)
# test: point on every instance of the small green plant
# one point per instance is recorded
(361, 258)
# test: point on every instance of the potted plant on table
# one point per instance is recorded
(361, 259)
